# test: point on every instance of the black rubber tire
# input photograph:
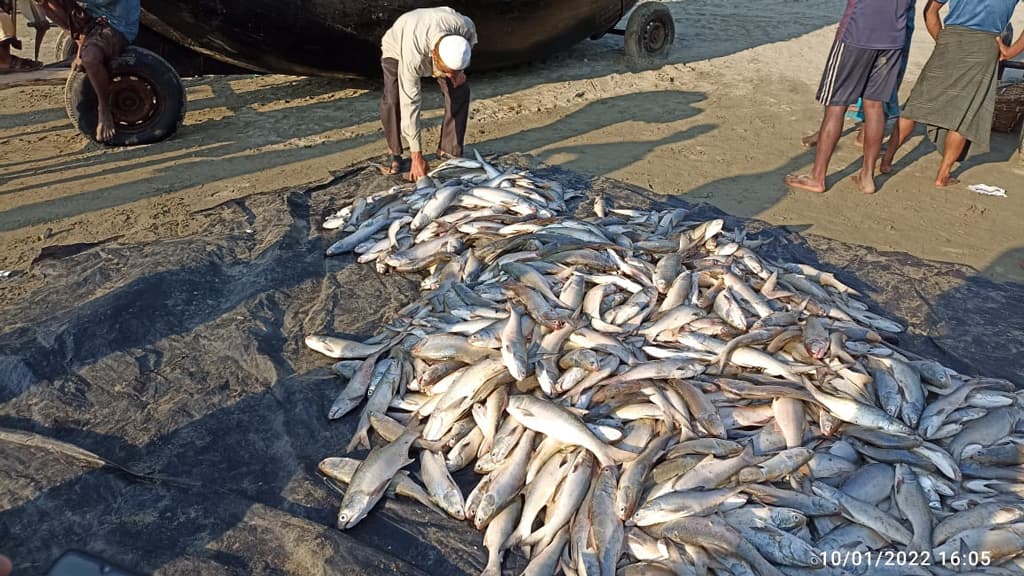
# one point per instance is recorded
(66, 49)
(136, 67)
(650, 33)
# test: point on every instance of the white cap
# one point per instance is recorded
(455, 52)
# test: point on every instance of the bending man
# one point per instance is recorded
(434, 42)
(955, 94)
(102, 31)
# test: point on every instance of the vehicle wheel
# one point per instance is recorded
(650, 33)
(147, 99)
(66, 49)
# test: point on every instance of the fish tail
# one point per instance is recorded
(358, 439)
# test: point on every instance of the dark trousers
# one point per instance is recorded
(456, 111)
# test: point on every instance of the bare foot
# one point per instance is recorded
(804, 182)
(810, 141)
(866, 184)
(885, 167)
(105, 129)
(947, 181)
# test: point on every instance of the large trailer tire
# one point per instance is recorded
(148, 99)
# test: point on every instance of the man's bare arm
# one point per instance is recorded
(55, 11)
(1013, 50)
(932, 21)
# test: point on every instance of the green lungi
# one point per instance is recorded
(957, 88)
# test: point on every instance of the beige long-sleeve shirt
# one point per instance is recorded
(411, 41)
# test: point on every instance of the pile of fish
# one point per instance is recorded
(638, 393)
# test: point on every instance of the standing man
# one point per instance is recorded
(864, 63)
(434, 42)
(955, 94)
(102, 31)
(891, 106)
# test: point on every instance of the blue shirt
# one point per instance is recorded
(876, 24)
(982, 15)
(123, 15)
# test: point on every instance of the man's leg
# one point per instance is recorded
(96, 68)
(456, 116)
(831, 130)
(874, 127)
(901, 130)
(390, 111)
(955, 143)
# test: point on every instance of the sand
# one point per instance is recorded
(720, 122)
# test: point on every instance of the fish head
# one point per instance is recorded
(625, 500)
(641, 517)
(787, 518)
(828, 423)
(353, 509)
(320, 344)
(484, 511)
(453, 504)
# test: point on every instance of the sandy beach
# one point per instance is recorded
(720, 122)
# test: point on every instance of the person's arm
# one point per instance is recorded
(932, 21)
(409, 103)
(1013, 50)
(55, 11)
(409, 99)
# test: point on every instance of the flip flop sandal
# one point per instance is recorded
(392, 165)
(19, 64)
(441, 155)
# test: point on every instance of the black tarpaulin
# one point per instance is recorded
(181, 361)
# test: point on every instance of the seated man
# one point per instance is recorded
(10, 63)
(102, 31)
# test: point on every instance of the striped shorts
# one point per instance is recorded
(853, 72)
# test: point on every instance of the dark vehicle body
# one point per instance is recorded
(342, 37)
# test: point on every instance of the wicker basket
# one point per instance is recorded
(1009, 107)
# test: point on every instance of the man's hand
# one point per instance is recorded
(419, 167)
(1004, 50)
(1012, 51)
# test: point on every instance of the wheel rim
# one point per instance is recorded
(134, 103)
(655, 36)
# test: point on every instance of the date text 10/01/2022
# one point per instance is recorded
(855, 558)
